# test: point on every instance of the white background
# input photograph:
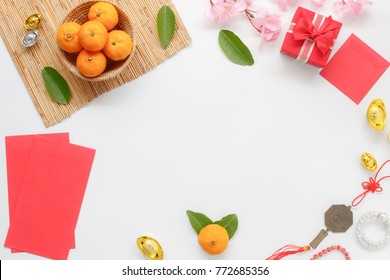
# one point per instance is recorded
(274, 143)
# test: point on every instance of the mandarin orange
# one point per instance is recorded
(67, 37)
(119, 45)
(93, 35)
(213, 238)
(91, 64)
(105, 13)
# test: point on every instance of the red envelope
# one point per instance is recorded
(50, 197)
(355, 68)
(17, 152)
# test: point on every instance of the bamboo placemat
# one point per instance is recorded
(30, 61)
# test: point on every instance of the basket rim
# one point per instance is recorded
(105, 75)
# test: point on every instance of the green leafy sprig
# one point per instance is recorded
(56, 85)
(234, 49)
(199, 221)
(165, 25)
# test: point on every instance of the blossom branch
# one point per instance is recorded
(268, 25)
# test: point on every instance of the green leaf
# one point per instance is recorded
(165, 25)
(234, 48)
(198, 220)
(230, 222)
(56, 85)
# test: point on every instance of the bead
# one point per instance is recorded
(376, 114)
(383, 217)
(364, 240)
(329, 249)
(368, 161)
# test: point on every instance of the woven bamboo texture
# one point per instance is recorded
(30, 61)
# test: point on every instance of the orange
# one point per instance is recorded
(93, 36)
(105, 13)
(213, 238)
(67, 37)
(119, 45)
(91, 64)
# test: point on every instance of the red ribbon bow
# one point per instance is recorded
(371, 186)
(323, 37)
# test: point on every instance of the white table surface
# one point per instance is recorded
(274, 143)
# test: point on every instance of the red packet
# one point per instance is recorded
(17, 152)
(355, 68)
(311, 37)
(50, 197)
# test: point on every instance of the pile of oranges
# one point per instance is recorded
(95, 40)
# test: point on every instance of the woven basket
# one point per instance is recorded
(113, 68)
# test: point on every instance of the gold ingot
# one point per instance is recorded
(150, 248)
(33, 22)
(376, 114)
(368, 161)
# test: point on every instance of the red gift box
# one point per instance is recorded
(311, 37)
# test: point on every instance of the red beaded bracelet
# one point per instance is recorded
(330, 249)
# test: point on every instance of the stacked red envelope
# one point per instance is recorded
(47, 178)
(311, 37)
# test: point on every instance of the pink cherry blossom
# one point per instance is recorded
(242, 5)
(318, 3)
(267, 24)
(283, 4)
(219, 10)
(340, 8)
(354, 6)
(222, 9)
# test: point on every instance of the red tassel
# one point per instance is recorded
(287, 250)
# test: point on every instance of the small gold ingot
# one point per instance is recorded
(150, 248)
(368, 161)
(376, 114)
(33, 22)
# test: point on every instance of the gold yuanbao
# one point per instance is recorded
(150, 248)
(376, 114)
(368, 161)
(33, 22)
